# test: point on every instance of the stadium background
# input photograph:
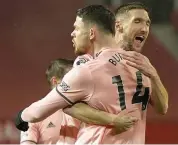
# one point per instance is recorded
(33, 32)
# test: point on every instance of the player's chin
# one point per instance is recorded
(138, 48)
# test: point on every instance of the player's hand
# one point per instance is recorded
(140, 62)
(124, 123)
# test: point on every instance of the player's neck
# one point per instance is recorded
(90, 52)
(107, 41)
(121, 43)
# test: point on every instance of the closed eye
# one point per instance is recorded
(137, 20)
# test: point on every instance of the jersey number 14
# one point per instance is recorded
(136, 97)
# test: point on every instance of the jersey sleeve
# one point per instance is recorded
(76, 86)
(31, 135)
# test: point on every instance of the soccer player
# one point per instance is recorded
(106, 83)
(132, 26)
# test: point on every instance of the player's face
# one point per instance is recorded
(80, 37)
(136, 29)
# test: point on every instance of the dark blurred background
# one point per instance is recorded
(33, 32)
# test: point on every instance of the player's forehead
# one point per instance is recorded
(78, 22)
(139, 13)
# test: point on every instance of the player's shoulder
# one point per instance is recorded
(77, 70)
(77, 78)
(80, 73)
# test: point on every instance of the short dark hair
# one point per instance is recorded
(99, 15)
(58, 68)
(130, 6)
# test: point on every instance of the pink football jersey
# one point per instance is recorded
(105, 83)
(58, 128)
(69, 130)
(128, 92)
(118, 89)
(44, 132)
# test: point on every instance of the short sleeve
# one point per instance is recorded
(77, 85)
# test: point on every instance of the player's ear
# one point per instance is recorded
(92, 33)
(54, 81)
(118, 27)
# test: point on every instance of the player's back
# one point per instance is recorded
(118, 89)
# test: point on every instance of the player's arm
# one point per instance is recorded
(87, 114)
(74, 87)
(159, 97)
(30, 136)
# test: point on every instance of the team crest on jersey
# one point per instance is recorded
(81, 60)
(64, 86)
